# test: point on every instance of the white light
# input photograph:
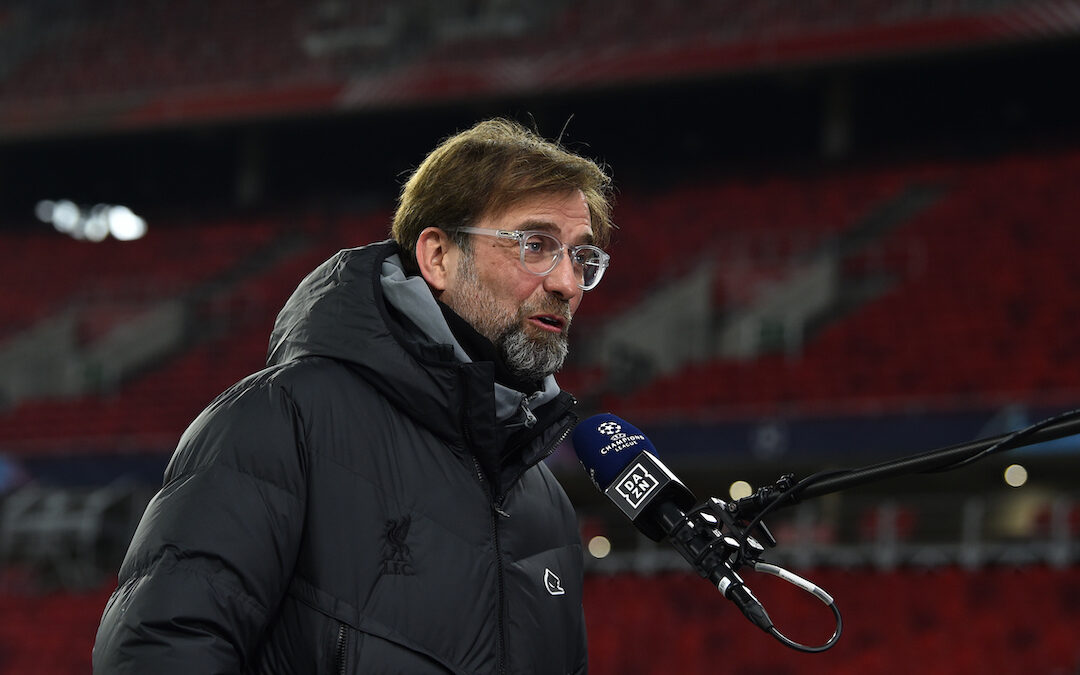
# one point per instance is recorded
(65, 216)
(599, 546)
(96, 227)
(124, 224)
(95, 224)
(44, 210)
(740, 489)
(1016, 475)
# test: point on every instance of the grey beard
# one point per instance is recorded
(527, 358)
(531, 359)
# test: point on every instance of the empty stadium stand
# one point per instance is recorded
(971, 293)
(968, 301)
(948, 620)
(119, 65)
(760, 306)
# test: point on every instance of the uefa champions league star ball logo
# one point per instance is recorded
(609, 428)
(617, 440)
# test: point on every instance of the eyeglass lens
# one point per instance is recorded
(540, 253)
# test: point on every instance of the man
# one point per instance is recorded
(374, 501)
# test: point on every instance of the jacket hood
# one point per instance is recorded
(361, 308)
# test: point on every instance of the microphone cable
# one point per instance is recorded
(744, 558)
(813, 589)
(1011, 441)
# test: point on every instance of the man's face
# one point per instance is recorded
(524, 315)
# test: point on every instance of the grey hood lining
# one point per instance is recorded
(412, 297)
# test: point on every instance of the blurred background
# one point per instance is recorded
(848, 234)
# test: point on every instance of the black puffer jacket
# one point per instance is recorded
(353, 509)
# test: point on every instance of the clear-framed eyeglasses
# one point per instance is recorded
(542, 251)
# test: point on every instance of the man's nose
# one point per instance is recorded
(563, 280)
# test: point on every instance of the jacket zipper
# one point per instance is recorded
(342, 648)
(543, 455)
(530, 416)
(496, 513)
(500, 647)
(559, 439)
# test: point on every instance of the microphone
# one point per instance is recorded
(622, 463)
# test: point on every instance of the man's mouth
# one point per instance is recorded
(549, 322)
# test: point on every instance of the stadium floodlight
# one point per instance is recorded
(125, 225)
(66, 217)
(94, 224)
(44, 210)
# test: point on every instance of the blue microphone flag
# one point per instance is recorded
(606, 444)
(621, 461)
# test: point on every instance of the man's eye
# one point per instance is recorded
(535, 245)
(585, 257)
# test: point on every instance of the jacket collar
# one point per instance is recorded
(361, 308)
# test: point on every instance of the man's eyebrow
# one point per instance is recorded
(548, 226)
(542, 225)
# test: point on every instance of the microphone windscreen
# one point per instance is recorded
(606, 444)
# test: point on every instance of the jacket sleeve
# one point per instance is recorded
(213, 554)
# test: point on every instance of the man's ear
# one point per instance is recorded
(436, 256)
